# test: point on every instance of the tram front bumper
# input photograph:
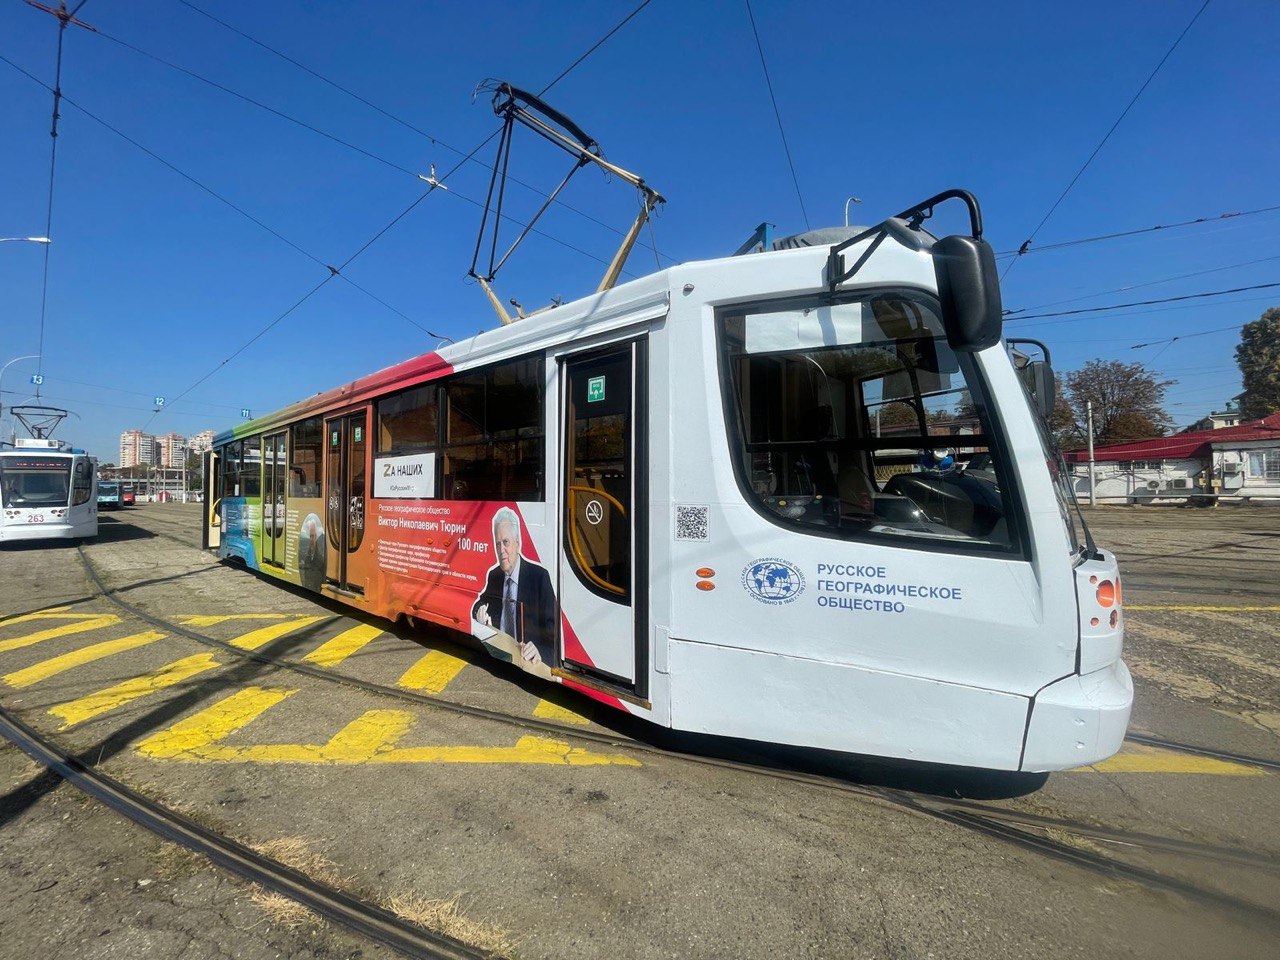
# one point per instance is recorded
(1079, 720)
(41, 531)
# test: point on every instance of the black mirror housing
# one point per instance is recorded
(1044, 387)
(969, 291)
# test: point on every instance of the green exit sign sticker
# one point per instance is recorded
(595, 389)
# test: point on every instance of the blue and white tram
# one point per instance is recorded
(799, 496)
(47, 492)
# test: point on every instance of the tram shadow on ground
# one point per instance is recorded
(856, 770)
(114, 530)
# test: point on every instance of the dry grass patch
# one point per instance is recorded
(282, 911)
(294, 852)
(444, 916)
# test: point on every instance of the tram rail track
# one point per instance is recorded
(338, 906)
(1025, 830)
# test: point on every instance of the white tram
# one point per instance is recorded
(47, 492)
(799, 496)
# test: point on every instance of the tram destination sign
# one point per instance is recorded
(412, 476)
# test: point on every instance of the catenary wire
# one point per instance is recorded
(1143, 303)
(1062, 244)
(1140, 313)
(438, 182)
(53, 164)
(217, 196)
(777, 114)
(335, 139)
(432, 138)
(1103, 141)
(1139, 286)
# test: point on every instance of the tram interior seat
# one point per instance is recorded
(962, 503)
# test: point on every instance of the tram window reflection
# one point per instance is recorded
(408, 422)
(494, 433)
(304, 463)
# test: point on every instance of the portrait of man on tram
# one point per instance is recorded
(518, 598)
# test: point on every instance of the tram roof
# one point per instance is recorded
(791, 271)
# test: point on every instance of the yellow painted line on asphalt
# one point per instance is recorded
(208, 620)
(548, 710)
(1139, 758)
(1131, 606)
(56, 665)
(432, 673)
(370, 738)
(49, 613)
(264, 635)
(66, 630)
(122, 694)
(333, 652)
(187, 737)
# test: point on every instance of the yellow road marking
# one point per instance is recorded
(264, 635)
(88, 707)
(433, 672)
(56, 665)
(333, 652)
(370, 738)
(548, 710)
(1131, 606)
(186, 737)
(204, 620)
(49, 613)
(1139, 758)
(93, 623)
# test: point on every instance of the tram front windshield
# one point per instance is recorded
(855, 419)
(35, 481)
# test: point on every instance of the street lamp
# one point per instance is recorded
(846, 208)
(25, 240)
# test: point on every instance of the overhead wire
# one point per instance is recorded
(435, 184)
(1143, 303)
(222, 199)
(64, 18)
(777, 113)
(1149, 283)
(1062, 244)
(1096, 150)
(432, 138)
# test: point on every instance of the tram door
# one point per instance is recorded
(273, 494)
(344, 482)
(212, 498)
(602, 566)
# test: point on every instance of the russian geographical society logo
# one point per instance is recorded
(773, 580)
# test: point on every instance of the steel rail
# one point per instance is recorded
(360, 916)
(973, 817)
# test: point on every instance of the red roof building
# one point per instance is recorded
(1194, 445)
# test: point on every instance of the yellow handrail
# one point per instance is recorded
(576, 546)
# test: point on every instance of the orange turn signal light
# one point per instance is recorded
(1107, 593)
(706, 585)
(705, 572)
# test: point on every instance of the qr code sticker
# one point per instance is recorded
(691, 523)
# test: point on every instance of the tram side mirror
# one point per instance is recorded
(969, 290)
(1043, 386)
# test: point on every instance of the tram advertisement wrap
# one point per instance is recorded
(468, 563)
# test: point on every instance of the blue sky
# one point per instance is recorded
(153, 282)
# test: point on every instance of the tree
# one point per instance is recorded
(1128, 404)
(1258, 355)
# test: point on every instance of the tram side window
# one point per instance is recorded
(304, 463)
(409, 422)
(494, 433)
(231, 470)
(81, 482)
(857, 420)
(251, 468)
